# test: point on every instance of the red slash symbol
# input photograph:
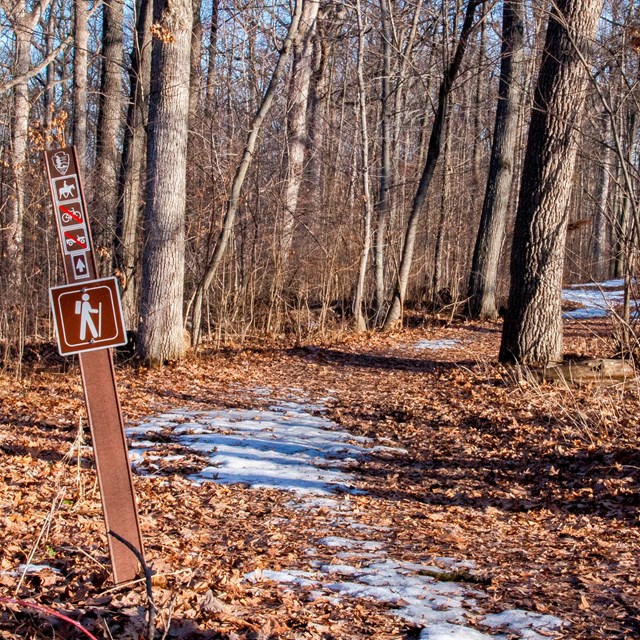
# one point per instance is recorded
(71, 239)
(71, 214)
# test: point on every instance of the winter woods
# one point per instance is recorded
(267, 167)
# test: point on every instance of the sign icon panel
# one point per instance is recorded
(61, 160)
(80, 265)
(66, 189)
(71, 214)
(75, 240)
(88, 316)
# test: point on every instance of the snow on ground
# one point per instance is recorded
(597, 299)
(419, 593)
(285, 447)
(293, 446)
(436, 345)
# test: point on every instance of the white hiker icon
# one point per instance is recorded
(85, 311)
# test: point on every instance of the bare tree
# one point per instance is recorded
(109, 138)
(297, 127)
(532, 332)
(133, 164)
(80, 77)
(161, 327)
(360, 317)
(240, 175)
(486, 255)
(23, 21)
(435, 145)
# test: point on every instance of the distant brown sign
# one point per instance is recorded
(88, 316)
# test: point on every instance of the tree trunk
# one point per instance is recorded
(600, 217)
(297, 123)
(132, 168)
(532, 332)
(161, 327)
(360, 317)
(486, 255)
(80, 79)
(318, 97)
(623, 224)
(479, 107)
(13, 227)
(23, 23)
(383, 205)
(196, 61)
(433, 153)
(213, 49)
(441, 227)
(109, 120)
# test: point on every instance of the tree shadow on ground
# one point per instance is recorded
(602, 483)
(375, 361)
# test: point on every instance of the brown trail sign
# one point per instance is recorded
(88, 320)
(88, 316)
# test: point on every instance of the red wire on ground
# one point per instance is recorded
(50, 612)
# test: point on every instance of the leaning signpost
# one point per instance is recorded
(88, 319)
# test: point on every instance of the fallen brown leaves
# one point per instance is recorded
(537, 484)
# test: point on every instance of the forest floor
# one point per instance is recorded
(458, 501)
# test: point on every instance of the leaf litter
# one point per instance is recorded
(485, 494)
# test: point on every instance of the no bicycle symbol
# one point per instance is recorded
(88, 316)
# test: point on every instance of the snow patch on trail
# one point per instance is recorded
(293, 446)
(287, 446)
(415, 591)
(436, 345)
(597, 299)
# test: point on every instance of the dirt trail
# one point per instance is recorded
(536, 486)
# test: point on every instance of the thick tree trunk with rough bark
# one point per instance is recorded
(317, 106)
(297, 128)
(532, 332)
(161, 327)
(486, 255)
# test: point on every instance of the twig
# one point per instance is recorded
(151, 621)
(49, 612)
(88, 555)
(44, 531)
(172, 605)
(131, 583)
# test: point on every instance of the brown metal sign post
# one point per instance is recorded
(89, 320)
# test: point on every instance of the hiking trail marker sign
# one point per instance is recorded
(88, 318)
